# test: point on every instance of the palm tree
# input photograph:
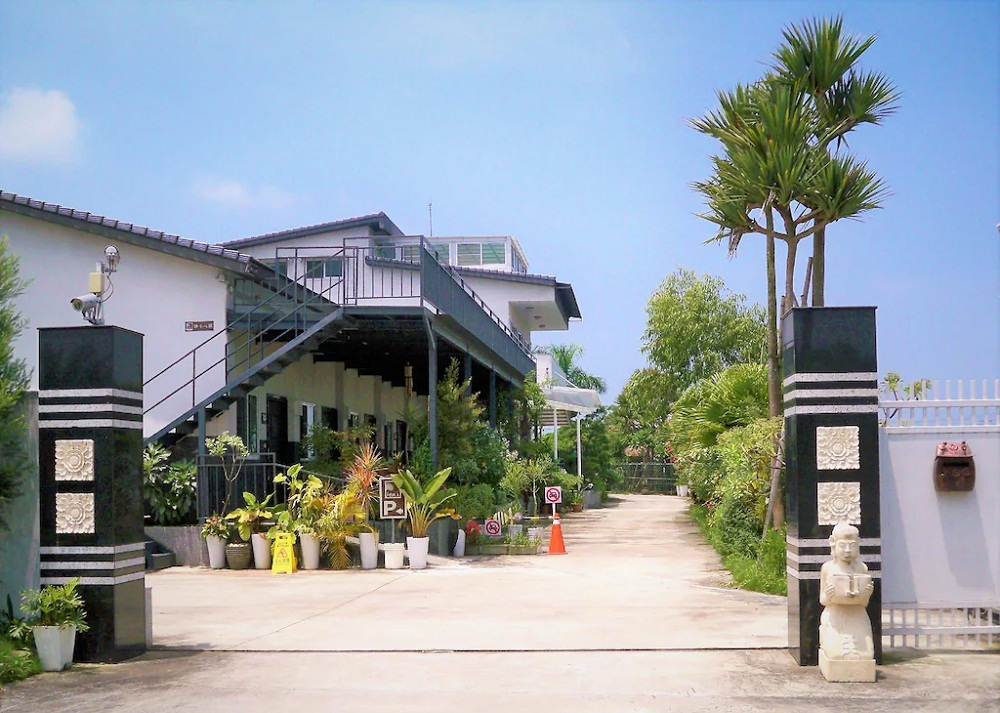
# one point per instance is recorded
(565, 356)
(820, 58)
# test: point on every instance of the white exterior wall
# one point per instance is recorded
(155, 294)
(939, 547)
(499, 294)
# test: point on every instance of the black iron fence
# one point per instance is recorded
(654, 477)
(255, 475)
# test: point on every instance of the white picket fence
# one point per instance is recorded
(940, 551)
(969, 404)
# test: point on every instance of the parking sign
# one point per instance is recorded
(392, 506)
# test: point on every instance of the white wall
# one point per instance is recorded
(154, 294)
(939, 547)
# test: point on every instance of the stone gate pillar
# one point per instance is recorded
(90, 494)
(831, 457)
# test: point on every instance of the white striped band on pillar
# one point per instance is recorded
(89, 408)
(108, 565)
(831, 393)
(805, 557)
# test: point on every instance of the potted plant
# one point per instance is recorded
(573, 498)
(522, 544)
(473, 537)
(362, 477)
(299, 517)
(342, 518)
(56, 613)
(216, 533)
(250, 524)
(423, 506)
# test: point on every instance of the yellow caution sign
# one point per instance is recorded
(283, 557)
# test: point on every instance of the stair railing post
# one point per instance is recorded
(203, 504)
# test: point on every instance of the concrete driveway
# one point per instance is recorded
(638, 617)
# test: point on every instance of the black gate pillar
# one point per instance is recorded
(831, 457)
(90, 463)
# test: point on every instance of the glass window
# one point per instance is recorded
(468, 254)
(410, 252)
(494, 254)
(327, 267)
(280, 266)
(385, 252)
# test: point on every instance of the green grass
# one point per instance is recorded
(16, 663)
(763, 572)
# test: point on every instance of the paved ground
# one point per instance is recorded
(636, 617)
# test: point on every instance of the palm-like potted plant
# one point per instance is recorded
(362, 478)
(423, 506)
(250, 526)
(342, 518)
(216, 534)
(56, 613)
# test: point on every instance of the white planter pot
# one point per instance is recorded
(261, 551)
(216, 552)
(310, 551)
(48, 642)
(417, 547)
(393, 555)
(67, 642)
(459, 550)
(682, 491)
(369, 549)
(536, 533)
(516, 529)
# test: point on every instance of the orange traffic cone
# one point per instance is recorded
(556, 546)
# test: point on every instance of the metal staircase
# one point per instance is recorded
(259, 343)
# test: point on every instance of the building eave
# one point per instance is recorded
(378, 222)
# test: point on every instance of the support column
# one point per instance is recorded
(555, 435)
(493, 399)
(831, 456)
(90, 463)
(467, 372)
(579, 448)
(432, 400)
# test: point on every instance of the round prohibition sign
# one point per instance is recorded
(553, 494)
(492, 528)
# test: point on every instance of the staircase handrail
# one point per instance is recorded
(312, 298)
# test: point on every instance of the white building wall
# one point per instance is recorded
(498, 294)
(155, 294)
(939, 547)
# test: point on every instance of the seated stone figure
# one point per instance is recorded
(847, 651)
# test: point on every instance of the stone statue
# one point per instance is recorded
(846, 647)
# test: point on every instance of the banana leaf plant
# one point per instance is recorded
(250, 519)
(423, 501)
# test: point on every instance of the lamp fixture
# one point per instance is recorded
(91, 305)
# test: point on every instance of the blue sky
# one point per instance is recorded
(562, 123)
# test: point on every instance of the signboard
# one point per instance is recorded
(492, 527)
(203, 326)
(283, 559)
(391, 504)
(553, 494)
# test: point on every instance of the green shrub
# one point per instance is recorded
(474, 502)
(170, 491)
(16, 662)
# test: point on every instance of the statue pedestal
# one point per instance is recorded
(842, 671)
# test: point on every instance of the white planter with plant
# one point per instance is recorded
(310, 549)
(55, 613)
(423, 506)
(368, 542)
(216, 533)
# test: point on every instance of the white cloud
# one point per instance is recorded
(233, 194)
(38, 126)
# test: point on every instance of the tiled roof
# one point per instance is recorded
(381, 221)
(131, 228)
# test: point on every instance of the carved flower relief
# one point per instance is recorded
(74, 513)
(75, 460)
(838, 448)
(839, 501)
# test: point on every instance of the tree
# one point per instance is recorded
(696, 327)
(565, 356)
(820, 59)
(636, 417)
(14, 379)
